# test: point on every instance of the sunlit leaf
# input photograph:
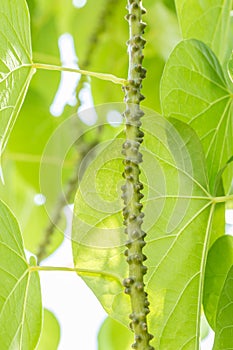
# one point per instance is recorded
(194, 90)
(15, 60)
(50, 335)
(224, 327)
(219, 262)
(206, 20)
(20, 296)
(178, 207)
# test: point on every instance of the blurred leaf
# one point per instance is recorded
(219, 261)
(50, 336)
(178, 207)
(15, 61)
(170, 4)
(224, 325)
(30, 136)
(114, 336)
(20, 301)
(194, 90)
(196, 16)
(161, 34)
(163, 30)
(103, 57)
(33, 219)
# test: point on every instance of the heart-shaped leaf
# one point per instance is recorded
(194, 90)
(206, 20)
(179, 212)
(15, 63)
(20, 296)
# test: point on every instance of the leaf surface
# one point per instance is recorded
(194, 90)
(195, 16)
(178, 219)
(20, 295)
(15, 61)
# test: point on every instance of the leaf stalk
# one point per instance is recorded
(79, 271)
(101, 76)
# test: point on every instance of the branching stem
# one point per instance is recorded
(133, 216)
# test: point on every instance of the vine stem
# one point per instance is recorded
(131, 190)
(102, 76)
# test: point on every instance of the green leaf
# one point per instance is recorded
(178, 215)
(230, 67)
(219, 262)
(50, 336)
(114, 336)
(193, 89)
(19, 195)
(196, 16)
(15, 61)
(224, 326)
(20, 295)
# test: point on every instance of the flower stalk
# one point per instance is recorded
(131, 190)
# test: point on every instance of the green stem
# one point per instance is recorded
(222, 199)
(102, 76)
(132, 188)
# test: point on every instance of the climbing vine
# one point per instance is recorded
(131, 190)
(151, 245)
